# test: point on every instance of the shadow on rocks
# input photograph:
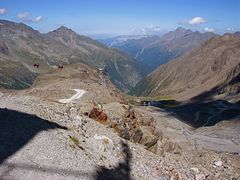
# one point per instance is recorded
(121, 172)
(17, 129)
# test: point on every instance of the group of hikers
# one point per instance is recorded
(36, 65)
(101, 71)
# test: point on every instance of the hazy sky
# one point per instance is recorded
(124, 16)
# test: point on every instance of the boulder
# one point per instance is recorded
(200, 176)
(4, 49)
(125, 133)
(98, 114)
(137, 136)
(145, 135)
(218, 163)
(146, 121)
(94, 113)
(102, 117)
(165, 145)
(195, 170)
(130, 114)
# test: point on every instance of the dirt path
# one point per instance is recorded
(78, 95)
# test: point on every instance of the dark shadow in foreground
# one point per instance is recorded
(200, 113)
(17, 129)
(122, 171)
(206, 114)
(42, 169)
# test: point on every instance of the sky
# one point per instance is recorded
(120, 17)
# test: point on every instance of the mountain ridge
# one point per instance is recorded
(154, 50)
(22, 44)
(209, 68)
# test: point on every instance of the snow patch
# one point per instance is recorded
(139, 53)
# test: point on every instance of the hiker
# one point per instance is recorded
(60, 66)
(36, 65)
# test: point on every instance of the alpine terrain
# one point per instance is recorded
(22, 47)
(211, 70)
(148, 101)
(71, 125)
(155, 50)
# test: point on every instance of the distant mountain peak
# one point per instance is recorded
(178, 33)
(64, 33)
(237, 33)
(181, 29)
(63, 29)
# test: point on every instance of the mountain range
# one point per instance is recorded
(118, 41)
(237, 33)
(154, 50)
(21, 47)
(196, 70)
(210, 71)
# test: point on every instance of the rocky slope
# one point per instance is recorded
(55, 84)
(15, 75)
(211, 71)
(73, 125)
(21, 47)
(154, 50)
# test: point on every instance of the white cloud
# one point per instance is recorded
(149, 30)
(153, 28)
(209, 29)
(26, 17)
(3, 11)
(230, 29)
(23, 16)
(196, 21)
(38, 19)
